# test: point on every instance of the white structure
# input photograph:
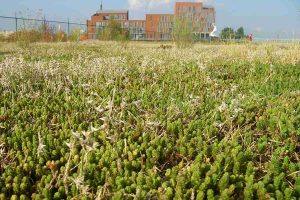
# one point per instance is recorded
(213, 33)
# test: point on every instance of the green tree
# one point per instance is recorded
(227, 33)
(240, 33)
(113, 31)
(183, 32)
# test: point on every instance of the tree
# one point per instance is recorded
(227, 33)
(183, 32)
(240, 34)
(113, 31)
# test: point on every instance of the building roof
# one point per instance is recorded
(136, 20)
(112, 11)
(208, 7)
(188, 3)
(161, 14)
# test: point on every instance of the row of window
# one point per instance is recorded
(139, 30)
(163, 36)
(133, 24)
(115, 17)
(163, 18)
(166, 18)
(101, 24)
(164, 30)
(192, 9)
(124, 24)
(163, 27)
(166, 35)
(197, 16)
(188, 9)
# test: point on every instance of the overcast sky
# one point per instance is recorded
(263, 18)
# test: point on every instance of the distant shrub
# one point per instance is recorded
(47, 32)
(25, 38)
(60, 36)
(75, 35)
(2, 38)
(31, 31)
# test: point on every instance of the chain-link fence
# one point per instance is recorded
(50, 30)
(46, 30)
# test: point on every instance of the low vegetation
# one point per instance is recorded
(97, 121)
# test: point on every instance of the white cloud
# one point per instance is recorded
(150, 4)
(136, 4)
(258, 29)
(207, 2)
(156, 4)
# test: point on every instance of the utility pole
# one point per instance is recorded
(101, 5)
(87, 29)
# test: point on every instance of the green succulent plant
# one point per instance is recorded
(97, 121)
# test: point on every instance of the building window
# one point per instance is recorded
(126, 25)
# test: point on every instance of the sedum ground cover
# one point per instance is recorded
(108, 121)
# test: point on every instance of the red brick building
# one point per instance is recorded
(159, 26)
(156, 26)
(201, 17)
(100, 19)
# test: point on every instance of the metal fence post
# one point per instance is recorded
(44, 27)
(87, 30)
(68, 28)
(16, 22)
